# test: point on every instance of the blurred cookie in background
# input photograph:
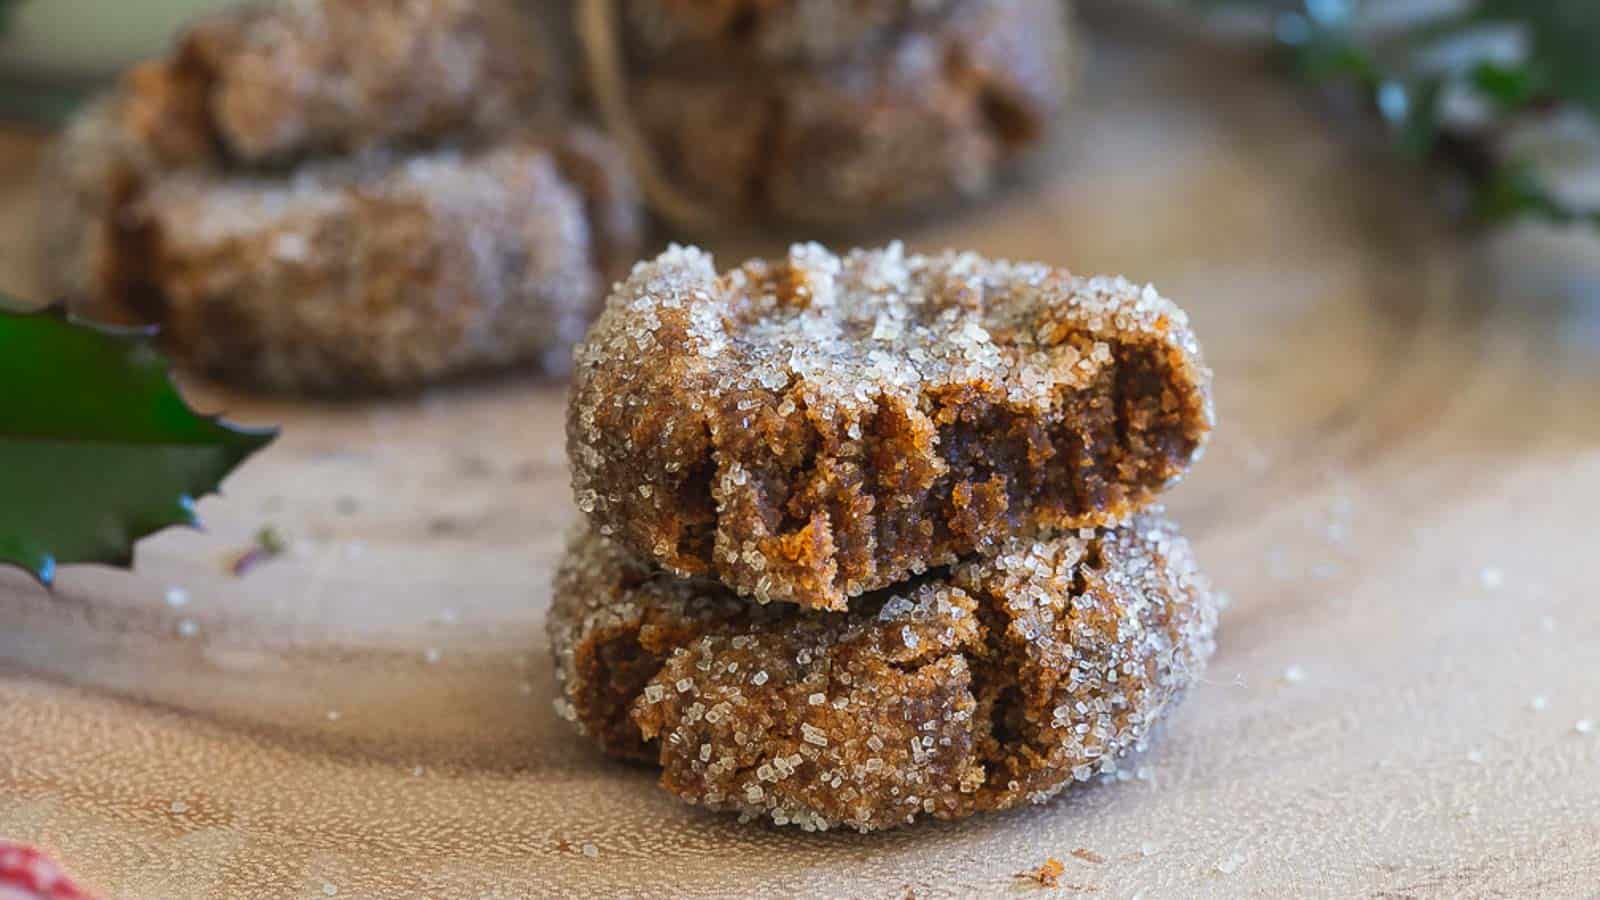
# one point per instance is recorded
(452, 216)
(366, 273)
(827, 114)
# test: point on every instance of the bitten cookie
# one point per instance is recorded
(1002, 680)
(933, 110)
(343, 195)
(813, 428)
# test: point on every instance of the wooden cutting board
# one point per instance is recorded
(1400, 502)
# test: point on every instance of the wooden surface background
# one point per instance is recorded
(1400, 502)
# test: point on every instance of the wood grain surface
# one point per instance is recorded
(1400, 502)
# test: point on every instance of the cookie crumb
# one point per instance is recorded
(1047, 875)
(1088, 856)
(269, 544)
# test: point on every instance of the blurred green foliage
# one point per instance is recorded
(1510, 61)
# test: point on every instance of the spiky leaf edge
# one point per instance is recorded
(256, 439)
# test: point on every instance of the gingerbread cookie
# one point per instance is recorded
(936, 110)
(813, 428)
(344, 195)
(367, 274)
(997, 682)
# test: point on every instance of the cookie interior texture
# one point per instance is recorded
(813, 428)
(998, 681)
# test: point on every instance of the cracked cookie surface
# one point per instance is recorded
(999, 681)
(810, 429)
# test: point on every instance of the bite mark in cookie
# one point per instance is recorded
(810, 429)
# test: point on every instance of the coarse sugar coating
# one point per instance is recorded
(928, 115)
(614, 619)
(367, 273)
(998, 681)
(813, 428)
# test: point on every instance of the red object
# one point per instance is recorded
(27, 874)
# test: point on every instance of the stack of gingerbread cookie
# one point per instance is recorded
(869, 537)
(340, 195)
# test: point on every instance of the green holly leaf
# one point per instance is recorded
(97, 448)
(1565, 35)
